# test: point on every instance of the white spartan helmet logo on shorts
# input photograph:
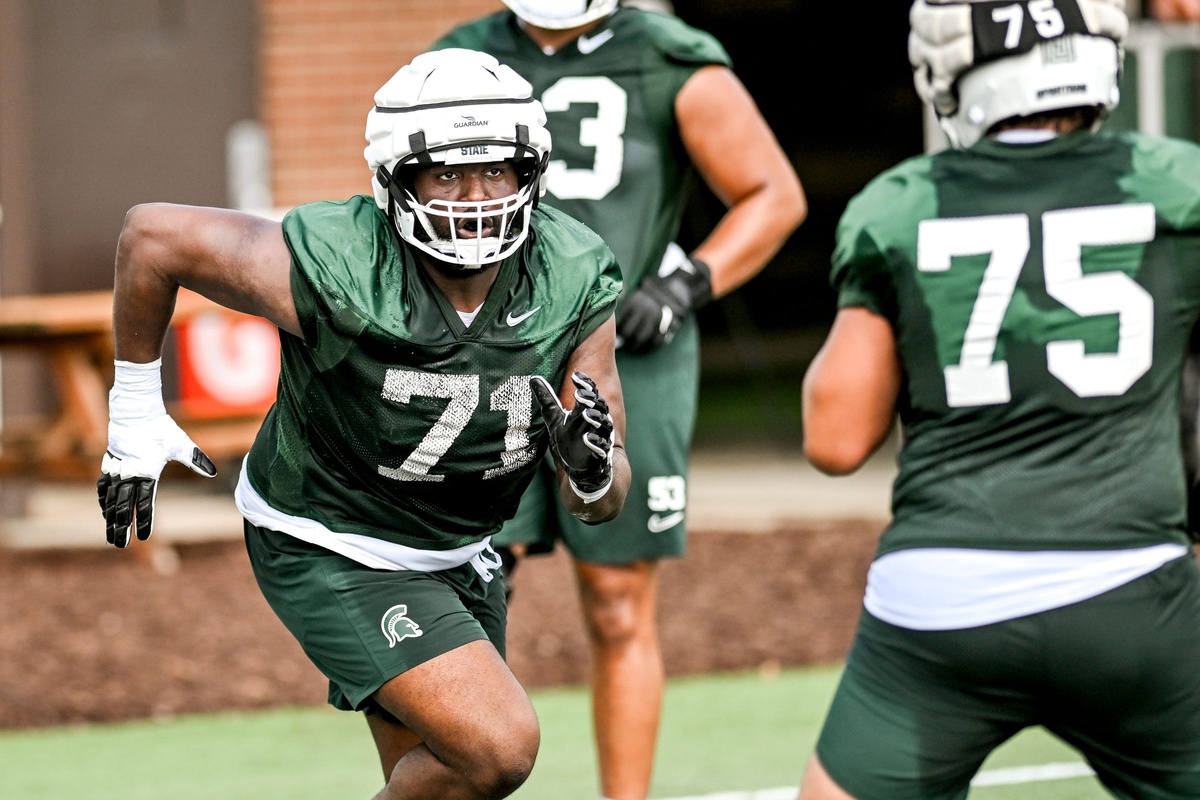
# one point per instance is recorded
(397, 626)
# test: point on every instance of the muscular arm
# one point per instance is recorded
(850, 390)
(594, 357)
(736, 153)
(238, 260)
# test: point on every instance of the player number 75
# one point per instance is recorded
(977, 379)
(1046, 19)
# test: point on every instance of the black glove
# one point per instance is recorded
(128, 500)
(649, 316)
(125, 502)
(581, 439)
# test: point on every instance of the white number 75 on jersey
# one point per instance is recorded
(977, 379)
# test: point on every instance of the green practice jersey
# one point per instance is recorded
(393, 419)
(1041, 296)
(610, 106)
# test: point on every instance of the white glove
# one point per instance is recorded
(142, 438)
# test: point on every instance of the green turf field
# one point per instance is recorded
(743, 736)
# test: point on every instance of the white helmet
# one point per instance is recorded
(561, 14)
(978, 63)
(457, 106)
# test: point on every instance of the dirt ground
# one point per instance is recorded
(93, 636)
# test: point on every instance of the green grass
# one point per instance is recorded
(720, 733)
(302, 753)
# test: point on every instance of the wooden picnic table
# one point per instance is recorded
(73, 332)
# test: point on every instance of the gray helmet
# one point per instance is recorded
(977, 63)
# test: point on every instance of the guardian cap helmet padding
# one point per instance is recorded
(457, 106)
(561, 14)
(978, 62)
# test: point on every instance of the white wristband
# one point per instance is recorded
(137, 391)
(591, 497)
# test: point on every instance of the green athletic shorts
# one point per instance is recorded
(362, 627)
(660, 389)
(1116, 676)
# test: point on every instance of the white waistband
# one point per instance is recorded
(951, 588)
(366, 550)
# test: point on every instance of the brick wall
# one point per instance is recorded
(321, 62)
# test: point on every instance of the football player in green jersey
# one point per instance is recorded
(1023, 300)
(422, 330)
(637, 103)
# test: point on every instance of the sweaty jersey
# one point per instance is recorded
(1040, 296)
(610, 106)
(393, 420)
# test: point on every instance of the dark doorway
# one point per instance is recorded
(128, 102)
(834, 82)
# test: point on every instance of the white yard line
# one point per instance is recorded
(993, 777)
(784, 793)
(1042, 772)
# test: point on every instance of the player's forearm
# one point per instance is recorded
(603, 508)
(849, 392)
(750, 233)
(144, 288)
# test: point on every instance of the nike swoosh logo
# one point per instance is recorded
(515, 321)
(658, 524)
(588, 44)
